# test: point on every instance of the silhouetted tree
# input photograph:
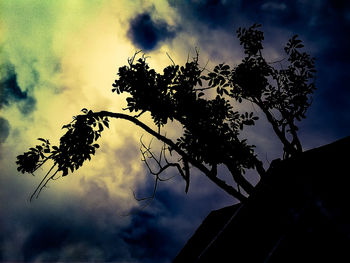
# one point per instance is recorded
(211, 127)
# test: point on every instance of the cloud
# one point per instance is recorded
(11, 93)
(79, 238)
(273, 6)
(212, 13)
(4, 129)
(67, 230)
(148, 238)
(89, 227)
(35, 36)
(46, 238)
(86, 231)
(147, 34)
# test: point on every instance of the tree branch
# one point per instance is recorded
(228, 188)
(222, 184)
(240, 180)
(287, 145)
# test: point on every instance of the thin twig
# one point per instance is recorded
(138, 115)
(170, 58)
(50, 178)
(42, 181)
(277, 61)
(201, 89)
(131, 60)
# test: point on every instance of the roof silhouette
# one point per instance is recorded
(299, 213)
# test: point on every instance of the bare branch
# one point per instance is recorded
(202, 89)
(131, 60)
(44, 185)
(170, 58)
(150, 198)
(277, 61)
(148, 154)
(138, 115)
(153, 193)
(39, 187)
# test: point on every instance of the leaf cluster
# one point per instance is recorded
(31, 160)
(211, 126)
(157, 93)
(76, 146)
(281, 89)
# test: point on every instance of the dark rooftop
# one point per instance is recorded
(299, 213)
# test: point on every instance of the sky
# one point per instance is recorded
(57, 57)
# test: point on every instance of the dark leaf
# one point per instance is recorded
(106, 123)
(65, 171)
(100, 127)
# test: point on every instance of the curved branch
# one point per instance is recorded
(212, 176)
(160, 137)
(228, 188)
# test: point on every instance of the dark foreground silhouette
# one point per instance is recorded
(299, 213)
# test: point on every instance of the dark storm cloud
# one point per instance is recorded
(323, 25)
(213, 13)
(146, 33)
(328, 31)
(161, 230)
(10, 90)
(85, 230)
(320, 19)
(47, 238)
(11, 93)
(149, 239)
(329, 112)
(289, 15)
(75, 234)
(4, 129)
